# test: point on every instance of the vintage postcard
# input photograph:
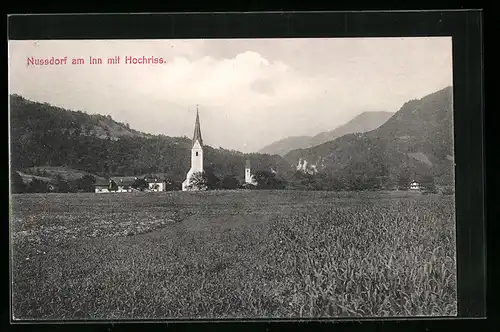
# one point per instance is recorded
(232, 178)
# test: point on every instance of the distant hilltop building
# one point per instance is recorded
(248, 174)
(196, 153)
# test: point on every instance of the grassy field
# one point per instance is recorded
(232, 254)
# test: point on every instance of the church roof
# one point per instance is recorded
(247, 164)
(197, 130)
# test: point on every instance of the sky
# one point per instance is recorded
(249, 92)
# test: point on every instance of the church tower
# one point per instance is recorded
(248, 174)
(196, 153)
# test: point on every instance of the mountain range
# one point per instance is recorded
(415, 142)
(361, 123)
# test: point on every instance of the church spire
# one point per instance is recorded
(197, 129)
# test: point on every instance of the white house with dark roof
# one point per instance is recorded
(156, 184)
(124, 184)
(415, 185)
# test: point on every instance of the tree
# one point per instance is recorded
(302, 181)
(248, 186)
(428, 184)
(62, 185)
(448, 191)
(85, 183)
(230, 182)
(403, 179)
(140, 184)
(113, 186)
(37, 186)
(268, 180)
(198, 181)
(213, 182)
(17, 184)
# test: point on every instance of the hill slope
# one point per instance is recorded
(43, 135)
(416, 142)
(362, 123)
(287, 144)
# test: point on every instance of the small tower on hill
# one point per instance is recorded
(248, 174)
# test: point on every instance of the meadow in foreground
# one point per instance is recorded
(232, 254)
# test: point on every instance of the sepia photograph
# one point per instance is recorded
(232, 178)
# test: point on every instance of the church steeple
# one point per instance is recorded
(197, 129)
(196, 154)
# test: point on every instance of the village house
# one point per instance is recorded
(101, 186)
(415, 185)
(156, 184)
(124, 184)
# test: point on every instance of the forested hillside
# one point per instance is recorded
(44, 135)
(415, 143)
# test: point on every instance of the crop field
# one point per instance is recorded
(232, 254)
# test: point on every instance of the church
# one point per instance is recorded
(197, 158)
(196, 153)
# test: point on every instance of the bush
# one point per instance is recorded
(140, 184)
(38, 186)
(198, 181)
(448, 191)
(230, 182)
(85, 183)
(17, 183)
(248, 186)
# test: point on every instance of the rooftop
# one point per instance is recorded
(197, 130)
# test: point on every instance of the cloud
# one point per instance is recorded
(250, 92)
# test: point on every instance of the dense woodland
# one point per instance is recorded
(43, 135)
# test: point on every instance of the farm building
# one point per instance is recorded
(121, 185)
(124, 184)
(415, 185)
(156, 184)
(101, 186)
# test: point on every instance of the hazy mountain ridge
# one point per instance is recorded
(285, 145)
(417, 141)
(363, 122)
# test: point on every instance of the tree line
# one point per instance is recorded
(209, 181)
(303, 181)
